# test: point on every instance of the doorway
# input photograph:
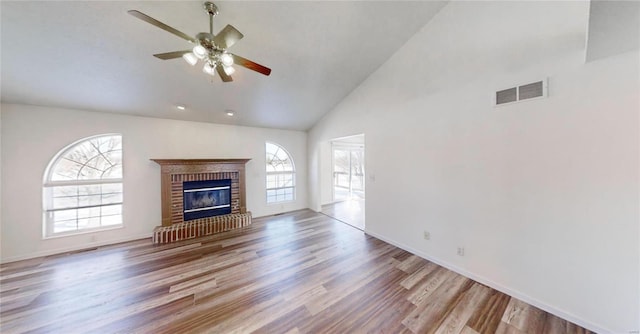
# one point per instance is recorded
(348, 172)
(348, 181)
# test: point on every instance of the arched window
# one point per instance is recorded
(281, 175)
(83, 187)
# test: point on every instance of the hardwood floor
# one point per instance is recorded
(350, 211)
(300, 272)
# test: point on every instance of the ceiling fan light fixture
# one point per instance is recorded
(190, 58)
(228, 69)
(226, 59)
(199, 51)
(209, 68)
(210, 48)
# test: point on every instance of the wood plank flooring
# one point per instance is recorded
(300, 272)
(350, 211)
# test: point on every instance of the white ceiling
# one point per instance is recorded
(614, 28)
(94, 56)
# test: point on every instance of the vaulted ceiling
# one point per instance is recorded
(94, 56)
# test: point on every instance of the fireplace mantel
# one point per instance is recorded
(175, 171)
(194, 164)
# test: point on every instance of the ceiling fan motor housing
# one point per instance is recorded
(206, 40)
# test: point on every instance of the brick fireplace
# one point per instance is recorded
(178, 223)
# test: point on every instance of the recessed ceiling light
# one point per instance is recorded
(229, 112)
(180, 107)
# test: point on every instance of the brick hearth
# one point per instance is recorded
(200, 227)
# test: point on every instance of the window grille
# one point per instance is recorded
(281, 175)
(82, 188)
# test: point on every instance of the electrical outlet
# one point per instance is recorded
(461, 251)
(426, 235)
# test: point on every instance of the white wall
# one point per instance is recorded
(31, 136)
(340, 125)
(0, 179)
(543, 194)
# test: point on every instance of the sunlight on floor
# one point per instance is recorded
(350, 211)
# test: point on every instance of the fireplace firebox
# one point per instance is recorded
(208, 198)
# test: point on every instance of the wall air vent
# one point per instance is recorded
(524, 92)
(507, 95)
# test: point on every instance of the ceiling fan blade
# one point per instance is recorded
(250, 65)
(161, 25)
(171, 55)
(223, 75)
(227, 37)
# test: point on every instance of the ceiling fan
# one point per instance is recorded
(210, 48)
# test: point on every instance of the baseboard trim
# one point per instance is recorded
(74, 248)
(508, 291)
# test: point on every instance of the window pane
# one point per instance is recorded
(286, 180)
(272, 181)
(341, 161)
(96, 158)
(278, 159)
(271, 196)
(86, 218)
(280, 195)
(280, 178)
(88, 203)
(65, 226)
(83, 195)
(288, 194)
(66, 170)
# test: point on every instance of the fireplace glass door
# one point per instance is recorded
(206, 198)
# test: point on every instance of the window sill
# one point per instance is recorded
(81, 232)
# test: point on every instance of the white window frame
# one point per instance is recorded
(292, 173)
(49, 184)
